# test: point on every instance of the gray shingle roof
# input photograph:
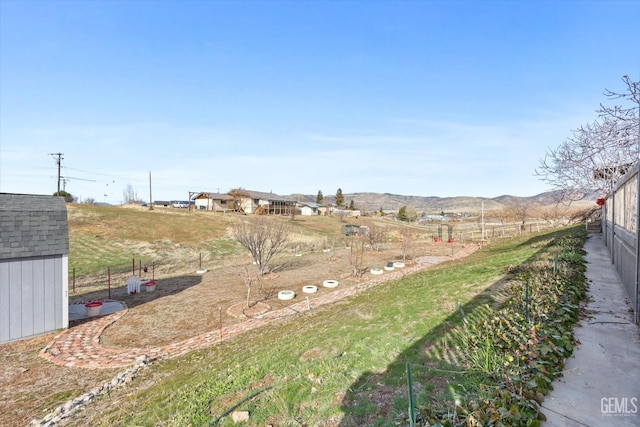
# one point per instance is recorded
(272, 197)
(32, 226)
(213, 196)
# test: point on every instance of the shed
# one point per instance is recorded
(309, 208)
(34, 269)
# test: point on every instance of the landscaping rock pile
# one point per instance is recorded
(79, 403)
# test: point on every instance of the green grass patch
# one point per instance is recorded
(109, 237)
(345, 364)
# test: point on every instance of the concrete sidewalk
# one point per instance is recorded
(601, 382)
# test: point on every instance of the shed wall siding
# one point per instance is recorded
(32, 293)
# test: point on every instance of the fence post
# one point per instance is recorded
(109, 280)
(412, 410)
(526, 301)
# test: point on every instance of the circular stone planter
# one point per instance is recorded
(389, 266)
(376, 271)
(398, 264)
(93, 308)
(309, 289)
(201, 271)
(150, 286)
(286, 295)
(330, 283)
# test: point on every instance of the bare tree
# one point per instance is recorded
(412, 213)
(625, 113)
(248, 281)
(599, 153)
(238, 195)
(520, 212)
(557, 214)
(264, 238)
(502, 215)
(375, 236)
(408, 241)
(130, 195)
(356, 258)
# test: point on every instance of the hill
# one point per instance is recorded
(432, 204)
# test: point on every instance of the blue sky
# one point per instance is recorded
(426, 98)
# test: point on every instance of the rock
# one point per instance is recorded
(143, 360)
(240, 416)
(65, 410)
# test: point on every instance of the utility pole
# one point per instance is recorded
(150, 197)
(59, 162)
(482, 222)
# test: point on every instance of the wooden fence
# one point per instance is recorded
(621, 211)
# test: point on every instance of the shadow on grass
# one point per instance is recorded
(164, 287)
(382, 398)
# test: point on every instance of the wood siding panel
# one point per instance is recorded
(50, 296)
(55, 275)
(15, 300)
(4, 301)
(32, 297)
(27, 298)
(38, 278)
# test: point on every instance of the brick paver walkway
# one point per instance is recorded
(80, 346)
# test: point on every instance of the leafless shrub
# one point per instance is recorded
(264, 238)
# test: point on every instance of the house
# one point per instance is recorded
(34, 269)
(215, 202)
(310, 208)
(262, 203)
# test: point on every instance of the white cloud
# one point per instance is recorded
(405, 156)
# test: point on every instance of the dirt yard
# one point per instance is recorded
(182, 306)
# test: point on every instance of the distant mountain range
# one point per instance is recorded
(461, 204)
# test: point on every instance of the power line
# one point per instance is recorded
(123, 178)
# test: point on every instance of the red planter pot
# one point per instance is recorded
(93, 308)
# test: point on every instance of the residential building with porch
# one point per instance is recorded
(257, 202)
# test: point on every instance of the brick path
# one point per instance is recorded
(80, 346)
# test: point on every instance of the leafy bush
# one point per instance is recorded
(512, 354)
